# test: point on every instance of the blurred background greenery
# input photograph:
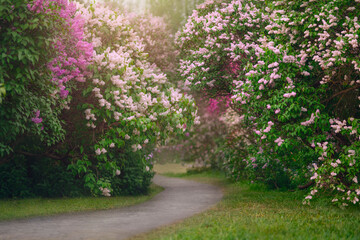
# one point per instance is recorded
(174, 11)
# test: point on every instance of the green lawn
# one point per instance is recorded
(22, 208)
(169, 168)
(250, 211)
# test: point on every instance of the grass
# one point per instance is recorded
(169, 168)
(23, 208)
(250, 211)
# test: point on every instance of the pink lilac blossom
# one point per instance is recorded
(73, 54)
(37, 119)
(279, 141)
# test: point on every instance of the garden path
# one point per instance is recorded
(180, 199)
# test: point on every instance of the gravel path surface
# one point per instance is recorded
(180, 199)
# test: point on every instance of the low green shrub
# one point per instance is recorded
(135, 177)
(44, 177)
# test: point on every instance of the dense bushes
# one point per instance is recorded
(26, 46)
(33, 45)
(14, 181)
(135, 176)
(292, 70)
(29, 177)
(84, 107)
(129, 105)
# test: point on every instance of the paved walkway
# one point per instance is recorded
(180, 199)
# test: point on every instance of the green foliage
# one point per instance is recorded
(14, 179)
(25, 50)
(2, 92)
(52, 179)
(135, 178)
(29, 177)
(31, 128)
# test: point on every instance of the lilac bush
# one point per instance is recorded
(128, 104)
(43, 57)
(292, 70)
(89, 99)
(35, 71)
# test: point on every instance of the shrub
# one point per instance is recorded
(83, 94)
(291, 68)
(127, 105)
(135, 177)
(30, 177)
(14, 180)
(43, 55)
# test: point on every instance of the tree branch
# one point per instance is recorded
(309, 184)
(44, 155)
(341, 92)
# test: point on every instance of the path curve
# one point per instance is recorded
(180, 199)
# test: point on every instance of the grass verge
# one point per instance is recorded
(169, 168)
(22, 208)
(250, 211)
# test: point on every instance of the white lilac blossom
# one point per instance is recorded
(105, 192)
